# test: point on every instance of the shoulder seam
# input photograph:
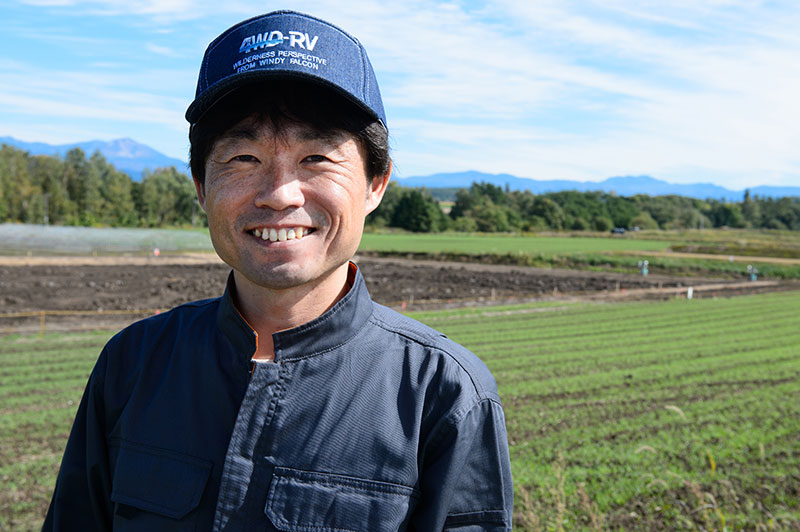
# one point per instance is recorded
(479, 391)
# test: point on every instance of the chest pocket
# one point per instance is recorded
(305, 501)
(156, 489)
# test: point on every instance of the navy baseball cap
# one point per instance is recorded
(290, 45)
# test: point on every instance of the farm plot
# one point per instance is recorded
(41, 382)
(643, 416)
(626, 416)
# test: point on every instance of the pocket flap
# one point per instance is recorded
(158, 481)
(305, 501)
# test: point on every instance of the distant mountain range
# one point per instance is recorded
(126, 155)
(133, 158)
(623, 186)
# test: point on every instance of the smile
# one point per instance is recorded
(283, 234)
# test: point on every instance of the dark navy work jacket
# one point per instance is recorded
(366, 421)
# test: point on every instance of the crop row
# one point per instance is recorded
(614, 316)
(685, 380)
(687, 338)
(648, 357)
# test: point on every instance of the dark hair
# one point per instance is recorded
(283, 102)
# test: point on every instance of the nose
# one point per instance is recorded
(279, 189)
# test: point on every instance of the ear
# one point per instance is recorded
(201, 192)
(376, 188)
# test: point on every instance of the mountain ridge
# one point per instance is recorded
(125, 154)
(621, 185)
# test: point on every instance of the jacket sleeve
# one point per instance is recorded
(81, 500)
(465, 482)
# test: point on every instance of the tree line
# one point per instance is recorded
(88, 191)
(81, 190)
(485, 207)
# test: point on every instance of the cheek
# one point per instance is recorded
(226, 195)
(340, 196)
(351, 205)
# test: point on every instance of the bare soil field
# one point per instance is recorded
(110, 284)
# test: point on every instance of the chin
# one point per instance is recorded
(280, 278)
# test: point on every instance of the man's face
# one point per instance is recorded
(307, 192)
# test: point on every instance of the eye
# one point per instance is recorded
(244, 158)
(315, 159)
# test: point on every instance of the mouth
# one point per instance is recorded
(281, 234)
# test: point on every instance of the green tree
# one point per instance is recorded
(167, 198)
(727, 215)
(46, 173)
(465, 199)
(787, 211)
(602, 223)
(548, 210)
(644, 221)
(490, 206)
(584, 205)
(621, 210)
(118, 208)
(497, 195)
(417, 211)
(465, 224)
(83, 188)
(751, 210)
(491, 218)
(579, 224)
(16, 188)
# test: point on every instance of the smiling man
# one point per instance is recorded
(293, 402)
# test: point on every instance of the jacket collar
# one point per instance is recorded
(330, 330)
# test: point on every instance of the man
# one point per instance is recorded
(293, 402)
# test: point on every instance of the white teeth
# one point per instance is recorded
(280, 235)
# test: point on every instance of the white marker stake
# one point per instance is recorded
(690, 292)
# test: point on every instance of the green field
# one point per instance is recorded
(679, 415)
(502, 244)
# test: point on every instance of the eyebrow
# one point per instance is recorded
(239, 133)
(331, 135)
(251, 132)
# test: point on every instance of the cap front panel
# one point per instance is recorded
(286, 44)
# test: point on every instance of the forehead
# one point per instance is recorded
(255, 128)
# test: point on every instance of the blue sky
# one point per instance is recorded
(685, 91)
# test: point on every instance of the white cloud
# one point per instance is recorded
(82, 96)
(162, 50)
(723, 100)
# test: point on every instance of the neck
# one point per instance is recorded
(269, 311)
